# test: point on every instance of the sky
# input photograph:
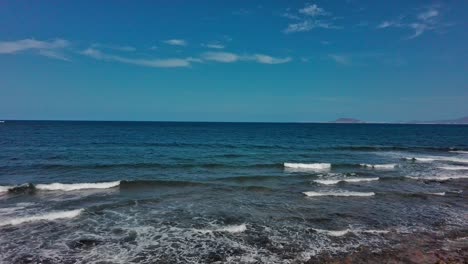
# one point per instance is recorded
(267, 61)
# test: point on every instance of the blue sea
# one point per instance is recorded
(180, 192)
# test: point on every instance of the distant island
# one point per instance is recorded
(348, 121)
(458, 121)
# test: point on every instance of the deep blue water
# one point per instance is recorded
(202, 192)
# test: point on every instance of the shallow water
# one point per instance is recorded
(140, 192)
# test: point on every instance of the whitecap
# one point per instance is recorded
(335, 233)
(453, 168)
(308, 166)
(4, 188)
(459, 151)
(233, 228)
(380, 166)
(331, 182)
(438, 193)
(229, 229)
(76, 186)
(340, 193)
(421, 159)
(338, 233)
(439, 178)
(46, 217)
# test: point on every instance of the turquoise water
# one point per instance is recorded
(169, 192)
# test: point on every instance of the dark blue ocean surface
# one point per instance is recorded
(170, 192)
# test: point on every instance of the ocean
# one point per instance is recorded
(181, 192)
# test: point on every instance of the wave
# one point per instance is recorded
(437, 193)
(453, 168)
(308, 166)
(395, 148)
(432, 158)
(229, 229)
(338, 233)
(339, 193)
(331, 182)
(46, 217)
(5, 188)
(379, 166)
(459, 151)
(438, 178)
(76, 186)
(420, 159)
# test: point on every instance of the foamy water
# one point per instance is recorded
(351, 180)
(339, 193)
(42, 217)
(308, 166)
(76, 186)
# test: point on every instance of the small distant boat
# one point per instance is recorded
(1, 121)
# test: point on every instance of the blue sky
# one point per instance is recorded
(279, 61)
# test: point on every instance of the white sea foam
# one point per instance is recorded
(338, 233)
(229, 229)
(76, 186)
(439, 178)
(459, 151)
(335, 233)
(339, 193)
(46, 217)
(453, 168)
(331, 182)
(380, 166)
(5, 188)
(308, 166)
(438, 158)
(438, 193)
(233, 228)
(421, 159)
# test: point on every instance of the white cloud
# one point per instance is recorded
(265, 59)
(427, 20)
(308, 25)
(155, 63)
(11, 47)
(227, 57)
(312, 10)
(307, 19)
(224, 57)
(340, 59)
(176, 42)
(213, 46)
(53, 55)
(114, 47)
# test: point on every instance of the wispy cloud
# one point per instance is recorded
(214, 45)
(114, 47)
(427, 19)
(53, 54)
(312, 10)
(52, 49)
(308, 25)
(340, 59)
(224, 57)
(309, 17)
(176, 42)
(227, 57)
(155, 63)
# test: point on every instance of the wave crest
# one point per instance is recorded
(46, 217)
(340, 193)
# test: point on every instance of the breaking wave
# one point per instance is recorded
(308, 166)
(331, 182)
(46, 217)
(76, 186)
(380, 166)
(339, 193)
